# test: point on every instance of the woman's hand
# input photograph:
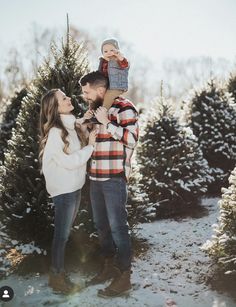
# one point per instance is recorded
(80, 125)
(80, 121)
(88, 114)
(92, 137)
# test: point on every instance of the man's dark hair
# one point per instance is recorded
(95, 79)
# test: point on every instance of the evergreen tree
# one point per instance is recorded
(139, 207)
(9, 119)
(222, 247)
(231, 86)
(170, 167)
(26, 209)
(212, 116)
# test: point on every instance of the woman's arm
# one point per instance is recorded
(54, 150)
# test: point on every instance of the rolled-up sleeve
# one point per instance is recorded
(127, 130)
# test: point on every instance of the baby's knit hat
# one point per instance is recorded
(110, 41)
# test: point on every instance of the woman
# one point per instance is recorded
(63, 154)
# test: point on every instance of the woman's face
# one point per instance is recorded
(64, 103)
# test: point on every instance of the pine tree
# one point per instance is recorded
(9, 119)
(212, 116)
(231, 86)
(222, 247)
(139, 207)
(171, 169)
(26, 209)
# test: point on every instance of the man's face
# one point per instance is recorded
(93, 95)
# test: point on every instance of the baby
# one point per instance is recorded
(114, 66)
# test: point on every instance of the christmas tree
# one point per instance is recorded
(211, 113)
(222, 247)
(26, 210)
(171, 171)
(139, 207)
(9, 119)
(231, 86)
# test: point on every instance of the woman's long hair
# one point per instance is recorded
(50, 117)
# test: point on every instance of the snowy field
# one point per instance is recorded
(171, 272)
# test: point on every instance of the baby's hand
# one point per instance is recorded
(119, 56)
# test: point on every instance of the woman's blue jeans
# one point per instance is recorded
(66, 209)
(108, 199)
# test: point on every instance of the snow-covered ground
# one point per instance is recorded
(172, 270)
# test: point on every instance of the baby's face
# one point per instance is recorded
(108, 51)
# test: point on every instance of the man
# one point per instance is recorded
(109, 173)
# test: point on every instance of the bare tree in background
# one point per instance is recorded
(85, 37)
(39, 46)
(2, 101)
(22, 66)
(192, 72)
(1, 93)
(144, 77)
(15, 74)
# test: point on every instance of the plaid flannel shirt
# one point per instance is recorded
(115, 143)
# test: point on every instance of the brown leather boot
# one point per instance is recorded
(119, 286)
(60, 282)
(76, 287)
(109, 271)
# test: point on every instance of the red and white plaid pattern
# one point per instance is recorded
(123, 64)
(115, 144)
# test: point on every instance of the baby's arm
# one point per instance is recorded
(124, 63)
(121, 60)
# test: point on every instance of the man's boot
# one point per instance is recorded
(60, 282)
(75, 287)
(119, 286)
(109, 271)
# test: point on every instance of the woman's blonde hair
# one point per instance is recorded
(50, 117)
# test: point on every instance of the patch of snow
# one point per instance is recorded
(30, 248)
(170, 273)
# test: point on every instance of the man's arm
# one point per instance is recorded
(127, 130)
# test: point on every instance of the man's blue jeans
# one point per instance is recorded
(108, 200)
(66, 209)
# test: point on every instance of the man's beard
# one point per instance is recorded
(96, 103)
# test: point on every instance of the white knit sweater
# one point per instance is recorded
(64, 173)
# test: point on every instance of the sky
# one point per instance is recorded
(156, 28)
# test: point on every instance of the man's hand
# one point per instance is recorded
(101, 115)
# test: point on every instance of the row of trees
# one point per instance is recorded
(26, 211)
(179, 160)
(222, 246)
(176, 162)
